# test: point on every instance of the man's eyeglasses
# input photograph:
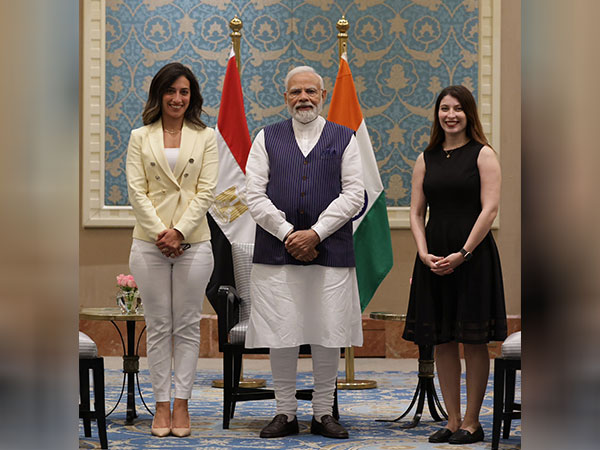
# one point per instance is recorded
(311, 92)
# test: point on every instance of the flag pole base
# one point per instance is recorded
(253, 383)
(349, 382)
(246, 383)
(356, 384)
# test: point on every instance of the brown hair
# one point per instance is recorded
(465, 98)
(162, 81)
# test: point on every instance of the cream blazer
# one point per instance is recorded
(163, 198)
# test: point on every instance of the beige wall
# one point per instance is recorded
(509, 232)
(103, 253)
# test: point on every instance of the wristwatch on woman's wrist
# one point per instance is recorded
(467, 255)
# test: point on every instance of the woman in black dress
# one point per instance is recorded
(457, 294)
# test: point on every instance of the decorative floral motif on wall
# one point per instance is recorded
(401, 52)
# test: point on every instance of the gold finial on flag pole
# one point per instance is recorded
(236, 26)
(342, 26)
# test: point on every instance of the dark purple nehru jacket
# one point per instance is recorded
(303, 187)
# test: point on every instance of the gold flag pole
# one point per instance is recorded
(349, 382)
(236, 25)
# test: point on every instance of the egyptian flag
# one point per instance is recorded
(229, 218)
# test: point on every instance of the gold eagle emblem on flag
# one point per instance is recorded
(229, 205)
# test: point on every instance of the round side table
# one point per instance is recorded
(131, 359)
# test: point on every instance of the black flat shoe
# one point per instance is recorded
(466, 437)
(280, 427)
(329, 427)
(441, 435)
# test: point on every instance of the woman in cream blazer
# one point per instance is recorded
(171, 176)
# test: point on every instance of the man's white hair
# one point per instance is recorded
(302, 69)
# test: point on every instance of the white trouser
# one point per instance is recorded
(172, 292)
(284, 365)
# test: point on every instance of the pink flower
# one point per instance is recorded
(126, 281)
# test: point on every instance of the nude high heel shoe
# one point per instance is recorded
(181, 432)
(160, 432)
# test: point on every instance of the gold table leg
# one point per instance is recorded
(349, 382)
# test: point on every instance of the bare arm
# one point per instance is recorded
(491, 181)
(418, 209)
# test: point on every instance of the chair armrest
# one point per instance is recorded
(228, 312)
(232, 306)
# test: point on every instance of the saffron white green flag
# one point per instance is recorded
(372, 238)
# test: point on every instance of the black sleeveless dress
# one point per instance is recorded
(468, 305)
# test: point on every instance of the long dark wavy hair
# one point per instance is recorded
(162, 81)
(465, 98)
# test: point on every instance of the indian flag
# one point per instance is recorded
(372, 239)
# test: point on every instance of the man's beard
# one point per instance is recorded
(306, 116)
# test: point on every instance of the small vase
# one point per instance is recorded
(129, 301)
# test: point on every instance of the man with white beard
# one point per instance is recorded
(304, 185)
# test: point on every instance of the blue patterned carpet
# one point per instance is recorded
(358, 411)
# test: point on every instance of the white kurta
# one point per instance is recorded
(294, 305)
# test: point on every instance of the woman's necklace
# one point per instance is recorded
(172, 132)
(449, 151)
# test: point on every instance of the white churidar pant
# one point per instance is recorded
(172, 292)
(284, 364)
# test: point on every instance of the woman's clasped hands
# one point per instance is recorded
(169, 242)
(441, 265)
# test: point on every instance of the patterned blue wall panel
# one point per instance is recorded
(401, 52)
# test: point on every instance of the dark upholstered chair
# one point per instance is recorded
(505, 369)
(233, 311)
(89, 360)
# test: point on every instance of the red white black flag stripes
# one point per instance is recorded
(229, 218)
(233, 140)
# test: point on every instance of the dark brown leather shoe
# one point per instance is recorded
(441, 435)
(280, 427)
(466, 437)
(329, 427)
